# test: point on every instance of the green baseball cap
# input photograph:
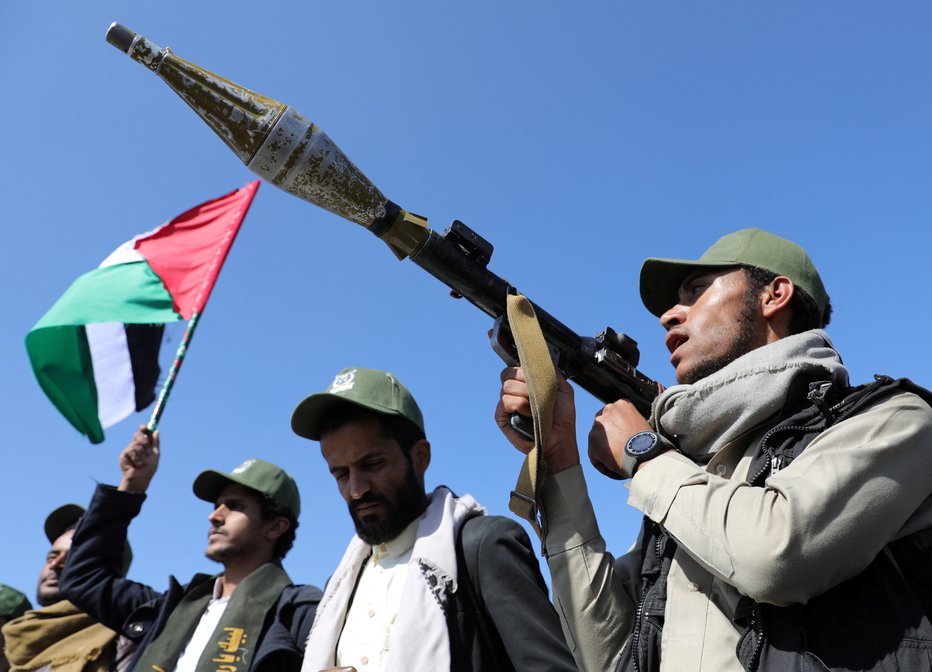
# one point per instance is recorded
(254, 474)
(371, 389)
(13, 603)
(65, 518)
(661, 278)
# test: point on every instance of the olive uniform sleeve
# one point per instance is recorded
(596, 594)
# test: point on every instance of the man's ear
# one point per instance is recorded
(420, 457)
(775, 301)
(277, 527)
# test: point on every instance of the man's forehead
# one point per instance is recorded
(63, 542)
(236, 491)
(710, 272)
(360, 452)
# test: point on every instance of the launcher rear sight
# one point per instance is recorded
(604, 366)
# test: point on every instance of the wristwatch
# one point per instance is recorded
(641, 447)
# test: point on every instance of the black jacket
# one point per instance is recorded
(91, 579)
(501, 618)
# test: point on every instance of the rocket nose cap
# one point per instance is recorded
(120, 36)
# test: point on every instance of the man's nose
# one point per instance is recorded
(59, 562)
(359, 484)
(673, 317)
(216, 516)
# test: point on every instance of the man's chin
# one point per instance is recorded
(379, 532)
(219, 553)
(48, 597)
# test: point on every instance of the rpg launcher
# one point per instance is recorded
(283, 147)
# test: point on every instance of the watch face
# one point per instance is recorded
(641, 443)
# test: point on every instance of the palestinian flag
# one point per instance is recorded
(95, 352)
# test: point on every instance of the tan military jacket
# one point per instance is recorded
(859, 485)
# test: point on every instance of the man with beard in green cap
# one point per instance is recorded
(787, 514)
(428, 582)
(250, 617)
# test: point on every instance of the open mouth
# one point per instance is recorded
(675, 340)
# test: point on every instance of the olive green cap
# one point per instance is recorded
(255, 474)
(13, 603)
(65, 518)
(377, 391)
(661, 278)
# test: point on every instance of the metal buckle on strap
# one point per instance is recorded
(530, 502)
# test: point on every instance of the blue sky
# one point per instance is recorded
(579, 138)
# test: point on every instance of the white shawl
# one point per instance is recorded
(419, 640)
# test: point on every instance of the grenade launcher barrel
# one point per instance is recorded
(285, 148)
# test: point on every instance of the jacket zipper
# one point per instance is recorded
(757, 625)
(636, 635)
(817, 396)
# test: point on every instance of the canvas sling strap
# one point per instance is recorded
(541, 378)
(232, 648)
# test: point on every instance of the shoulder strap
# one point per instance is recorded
(540, 374)
(823, 406)
(881, 386)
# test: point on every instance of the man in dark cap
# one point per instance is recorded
(429, 582)
(58, 635)
(249, 617)
(788, 517)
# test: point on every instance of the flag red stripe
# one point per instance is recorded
(188, 252)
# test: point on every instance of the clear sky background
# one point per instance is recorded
(579, 138)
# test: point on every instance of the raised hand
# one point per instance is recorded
(139, 461)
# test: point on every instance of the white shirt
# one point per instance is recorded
(210, 619)
(364, 642)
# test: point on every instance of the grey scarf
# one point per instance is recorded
(702, 418)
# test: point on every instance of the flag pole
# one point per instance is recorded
(245, 200)
(153, 423)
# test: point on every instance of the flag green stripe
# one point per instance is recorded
(61, 360)
(129, 293)
(58, 347)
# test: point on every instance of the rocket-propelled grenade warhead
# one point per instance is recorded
(283, 147)
(279, 144)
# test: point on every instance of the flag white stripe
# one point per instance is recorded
(113, 371)
(127, 253)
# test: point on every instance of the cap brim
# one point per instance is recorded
(62, 519)
(310, 413)
(661, 280)
(208, 484)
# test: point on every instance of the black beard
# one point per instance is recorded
(47, 600)
(743, 344)
(48, 596)
(409, 502)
